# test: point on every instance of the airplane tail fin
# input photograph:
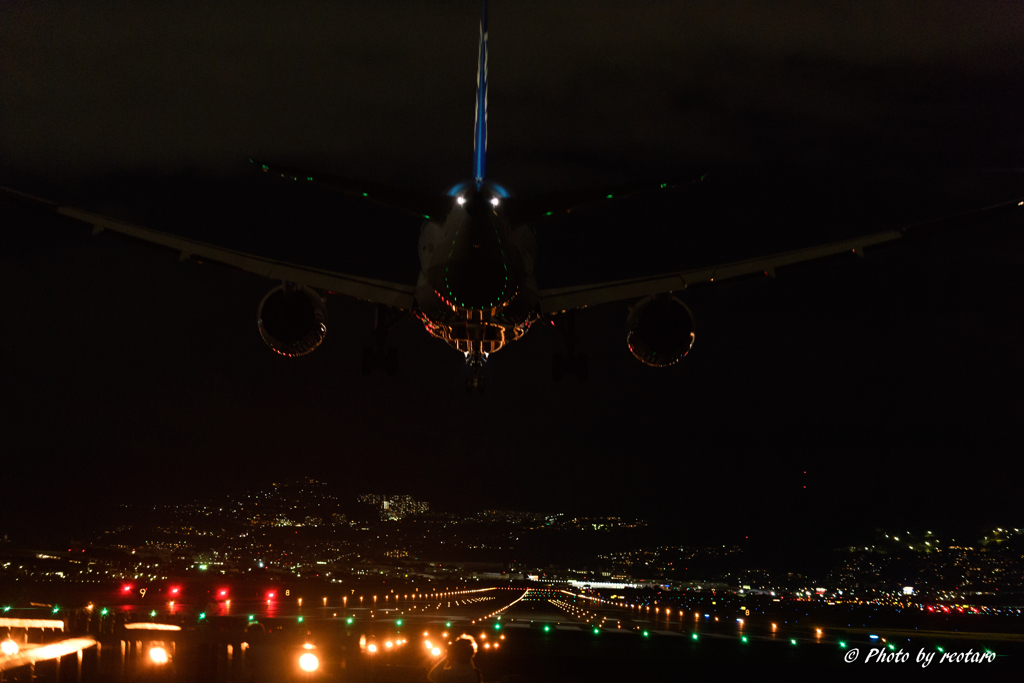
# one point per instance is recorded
(480, 129)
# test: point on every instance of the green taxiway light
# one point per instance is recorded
(646, 633)
(252, 617)
(694, 636)
(7, 609)
(103, 612)
(497, 627)
(597, 630)
(792, 641)
(842, 644)
(202, 567)
(364, 194)
(940, 649)
(55, 609)
(349, 620)
(609, 196)
(300, 620)
(891, 646)
(202, 615)
(547, 628)
(447, 625)
(153, 613)
(743, 638)
(399, 623)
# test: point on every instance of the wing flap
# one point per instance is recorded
(377, 291)
(566, 298)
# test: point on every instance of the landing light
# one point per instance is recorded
(309, 662)
(494, 201)
(460, 200)
(158, 655)
(9, 647)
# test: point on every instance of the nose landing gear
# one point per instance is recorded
(476, 381)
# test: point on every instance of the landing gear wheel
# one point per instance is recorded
(557, 367)
(582, 367)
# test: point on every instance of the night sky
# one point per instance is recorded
(889, 387)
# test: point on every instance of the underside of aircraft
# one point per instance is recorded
(476, 289)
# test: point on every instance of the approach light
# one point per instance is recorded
(309, 662)
(158, 655)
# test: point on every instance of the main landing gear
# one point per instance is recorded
(572, 362)
(377, 356)
(476, 381)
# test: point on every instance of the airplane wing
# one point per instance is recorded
(376, 291)
(410, 202)
(528, 209)
(563, 299)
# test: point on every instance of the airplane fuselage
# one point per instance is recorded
(476, 289)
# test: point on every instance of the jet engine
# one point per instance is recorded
(292, 320)
(659, 330)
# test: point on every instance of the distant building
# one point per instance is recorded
(394, 507)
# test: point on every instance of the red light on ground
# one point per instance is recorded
(270, 595)
(174, 591)
(126, 588)
(223, 593)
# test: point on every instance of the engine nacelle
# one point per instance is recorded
(659, 330)
(292, 320)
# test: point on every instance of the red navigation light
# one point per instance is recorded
(223, 593)
(174, 591)
(126, 588)
(270, 595)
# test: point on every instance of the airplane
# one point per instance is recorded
(476, 288)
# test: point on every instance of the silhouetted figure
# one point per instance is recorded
(457, 666)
